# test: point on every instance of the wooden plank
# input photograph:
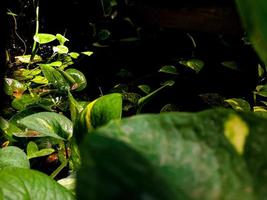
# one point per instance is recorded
(204, 19)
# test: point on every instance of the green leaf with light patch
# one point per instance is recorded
(49, 124)
(27, 59)
(238, 104)
(168, 69)
(40, 80)
(34, 152)
(61, 49)
(87, 53)
(43, 38)
(12, 156)
(190, 151)
(62, 39)
(194, 64)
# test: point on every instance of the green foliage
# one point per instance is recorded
(239, 104)
(254, 15)
(48, 124)
(13, 157)
(194, 64)
(30, 184)
(98, 113)
(34, 152)
(43, 38)
(192, 152)
(117, 171)
(169, 69)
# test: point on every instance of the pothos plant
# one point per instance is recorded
(214, 154)
(41, 86)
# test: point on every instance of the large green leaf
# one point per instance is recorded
(112, 170)
(13, 157)
(25, 184)
(199, 154)
(48, 124)
(254, 17)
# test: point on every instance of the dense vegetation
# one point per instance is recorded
(78, 122)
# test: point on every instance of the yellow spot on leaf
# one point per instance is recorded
(236, 131)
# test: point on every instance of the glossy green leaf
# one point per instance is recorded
(194, 64)
(54, 77)
(145, 88)
(97, 113)
(62, 39)
(55, 64)
(113, 170)
(74, 55)
(193, 152)
(24, 184)
(12, 156)
(87, 53)
(239, 104)
(253, 15)
(34, 152)
(40, 80)
(24, 101)
(80, 79)
(261, 90)
(168, 69)
(49, 124)
(61, 49)
(27, 59)
(43, 38)
(105, 109)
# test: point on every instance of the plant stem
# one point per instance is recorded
(34, 47)
(61, 166)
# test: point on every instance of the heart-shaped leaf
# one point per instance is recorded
(48, 124)
(62, 39)
(238, 104)
(12, 156)
(61, 49)
(194, 64)
(34, 152)
(168, 69)
(22, 184)
(78, 76)
(98, 113)
(43, 38)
